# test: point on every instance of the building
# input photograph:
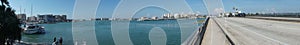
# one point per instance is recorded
(21, 17)
(64, 18)
(154, 18)
(50, 18)
(143, 18)
(168, 16)
(47, 18)
(57, 18)
(177, 16)
(102, 18)
(60, 18)
(32, 19)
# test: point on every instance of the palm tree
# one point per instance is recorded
(9, 24)
(5, 2)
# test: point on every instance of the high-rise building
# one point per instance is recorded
(47, 18)
(60, 18)
(64, 18)
(57, 18)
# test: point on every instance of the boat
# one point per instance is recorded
(33, 29)
(142, 19)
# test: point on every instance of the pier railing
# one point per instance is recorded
(197, 37)
(202, 30)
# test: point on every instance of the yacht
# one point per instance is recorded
(143, 19)
(33, 29)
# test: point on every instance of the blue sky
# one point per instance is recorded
(106, 7)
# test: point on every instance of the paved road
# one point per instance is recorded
(246, 31)
(276, 18)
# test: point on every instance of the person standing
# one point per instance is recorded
(60, 41)
(54, 40)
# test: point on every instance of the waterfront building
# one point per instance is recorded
(135, 18)
(168, 16)
(57, 18)
(154, 18)
(177, 16)
(69, 20)
(47, 18)
(200, 16)
(50, 18)
(60, 18)
(143, 18)
(32, 19)
(102, 18)
(164, 16)
(21, 17)
(113, 18)
(64, 17)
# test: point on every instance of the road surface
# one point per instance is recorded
(246, 31)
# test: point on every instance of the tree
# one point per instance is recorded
(9, 24)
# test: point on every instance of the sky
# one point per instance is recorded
(106, 7)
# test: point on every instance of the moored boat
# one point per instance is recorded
(33, 29)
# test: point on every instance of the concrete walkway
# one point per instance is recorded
(214, 35)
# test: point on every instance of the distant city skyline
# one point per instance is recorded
(106, 7)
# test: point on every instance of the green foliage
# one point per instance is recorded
(9, 24)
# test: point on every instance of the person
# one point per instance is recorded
(54, 43)
(54, 40)
(60, 41)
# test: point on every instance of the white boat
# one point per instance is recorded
(33, 29)
(142, 19)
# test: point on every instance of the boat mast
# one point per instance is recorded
(31, 10)
(20, 9)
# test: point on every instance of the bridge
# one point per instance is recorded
(252, 30)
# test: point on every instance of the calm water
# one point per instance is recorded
(138, 31)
